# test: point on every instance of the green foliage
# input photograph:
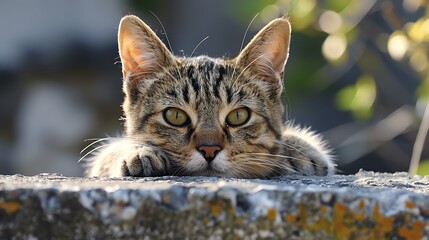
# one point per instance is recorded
(337, 23)
(358, 98)
(423, 168)
(423, 89)
(336, 5)
(385, 43)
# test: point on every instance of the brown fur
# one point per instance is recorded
(207, 90)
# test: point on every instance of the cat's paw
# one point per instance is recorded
(307, 153)
(310, 161)
(145, 162)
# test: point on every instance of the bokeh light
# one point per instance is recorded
(334, 46)
(397, 45)
(330, 21)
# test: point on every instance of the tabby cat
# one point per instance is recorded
(205, 116)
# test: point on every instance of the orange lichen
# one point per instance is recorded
(384, 224)
(361, 204)
(324, 209)
(239, 220)
(322, 224)
(10, 207)
(271, 214)
(415, 232)
(360, 216)
(302, 216)
(344, 222)
(410, 204)
(340, 226)
(216, 208)
(290, 218)
(165, 198)
(231, 211)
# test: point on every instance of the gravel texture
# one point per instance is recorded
(363, 206)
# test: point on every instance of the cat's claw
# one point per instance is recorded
(145, 162)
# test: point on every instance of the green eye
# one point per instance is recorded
(175, 117)
(238, 117)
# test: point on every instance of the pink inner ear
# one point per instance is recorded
(128, 62)
(141, 51)
(278, 55)
(267, 53)
(131, 50)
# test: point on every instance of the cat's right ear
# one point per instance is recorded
(267, 53)
(142, 52)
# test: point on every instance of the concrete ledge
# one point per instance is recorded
(362, 206)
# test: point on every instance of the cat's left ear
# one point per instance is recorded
(142, 52)
(267, 53)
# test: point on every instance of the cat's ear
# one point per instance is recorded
(267, 53)
(141, 51)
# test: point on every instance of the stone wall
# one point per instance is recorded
(362, 206)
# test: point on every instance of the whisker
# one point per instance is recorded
(168, 41)
(193, 51)
(92, 150)
(251, 163)
(283, 156)
(242, 42)
(91, 144)
(248, 65)
(293, 147)
(163, 29)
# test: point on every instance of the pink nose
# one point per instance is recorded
(209, 152)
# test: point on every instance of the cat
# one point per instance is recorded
(205, 116)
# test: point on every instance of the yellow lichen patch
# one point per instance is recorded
(10, 207)
(361, 204)
(340, 208)
(231, 211)
(384, 224)
(415, 232)
(165, 198)
(324, 209)
(410, 204)
(359, 216)
(321, 224)
(290, 218)
(216, 209)
(340, 226)
(239, 220)
(302, 216)
(271, 214)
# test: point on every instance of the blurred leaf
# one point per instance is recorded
(300, 69)
(423, 89)
(153, 6)
(419, 31)
(301, 14)
(247, 11)
(423, 168)
(352, 34)
(419, 59)
(336, 5)
(358, 98)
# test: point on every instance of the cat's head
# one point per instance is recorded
(210, 116)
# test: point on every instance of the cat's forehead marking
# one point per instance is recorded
(203, 77)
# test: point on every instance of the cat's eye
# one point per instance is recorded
(238, 117)
(175, 117)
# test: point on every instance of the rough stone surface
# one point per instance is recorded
(362, 206)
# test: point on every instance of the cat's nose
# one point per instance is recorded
(209, 151)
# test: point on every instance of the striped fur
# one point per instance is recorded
(207, 90)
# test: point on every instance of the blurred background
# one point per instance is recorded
(358, 72)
